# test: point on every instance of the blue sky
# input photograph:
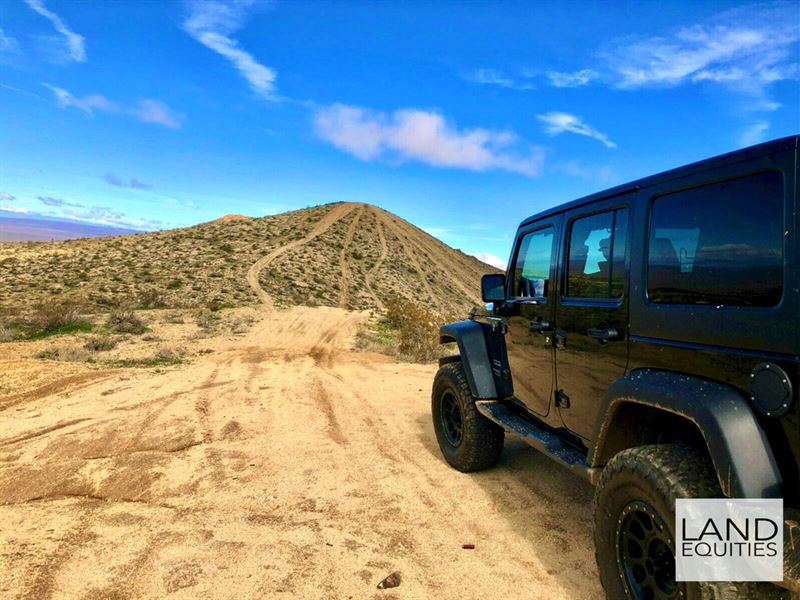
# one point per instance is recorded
(463, 118)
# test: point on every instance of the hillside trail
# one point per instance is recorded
(335, 214)
(281, 465)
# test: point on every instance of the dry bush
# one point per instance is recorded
(100, 343)
(7, 335)
(418, 329)
(126, 321)
(151, 298)
(169, 355)
(56, 317)
(175, 318)
(207, 321)
(66, 352)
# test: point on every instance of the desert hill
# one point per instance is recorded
(348, 255)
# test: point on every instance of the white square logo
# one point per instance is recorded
(728, 540)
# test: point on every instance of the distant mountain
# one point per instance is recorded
(354, 256)
(25, 227)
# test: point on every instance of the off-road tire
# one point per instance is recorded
(656, 475)
(481, 440)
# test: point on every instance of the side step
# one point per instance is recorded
(541, 438)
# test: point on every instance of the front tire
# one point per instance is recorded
(468, 440)
(635, 525)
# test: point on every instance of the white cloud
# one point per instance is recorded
(155, 111)
(102, 215)
(8, 44)
(576, 79)
(74, 42)
(744, 49)
(490, 259)
(560, 122)
(15, 209)
(493, 77)
(146, 110)
(754, 133)
(211, 22)
(87, 104)
(423, 136)
(6, 197)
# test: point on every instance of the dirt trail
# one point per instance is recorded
(344, 282)
(382, 257)
(282, 465)
(387, 221)
(335, 214)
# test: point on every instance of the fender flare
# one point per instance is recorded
(475, 355)
(739, 448)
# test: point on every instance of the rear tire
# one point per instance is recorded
(641, 484)
(468, 440)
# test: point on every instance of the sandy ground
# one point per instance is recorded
(281, 465)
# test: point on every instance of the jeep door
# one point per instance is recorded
(529, 313)
(592, 313)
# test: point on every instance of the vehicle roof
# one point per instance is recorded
(751, 152)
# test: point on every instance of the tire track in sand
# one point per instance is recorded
(344, 282)
(379, 262)
(335, 214)
(411, 256)
(421, 242)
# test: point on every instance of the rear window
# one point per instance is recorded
(719, 244)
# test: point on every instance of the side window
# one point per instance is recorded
(532, 266)
(718, 244)
(596, 266)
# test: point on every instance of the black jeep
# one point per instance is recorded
(647, 338)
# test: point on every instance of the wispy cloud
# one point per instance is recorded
(602, 174)
(74, 42)
(15, 209)
(560, 122)
(745, 49)
(8, 44)
(102, 215)
(146, 110)
(6, 197)
(155, 111)
(121, 183)
(51, 201)
(575, 79)
(498, 78)
(491, 259)
(211, 22)
(753, 134)
(424, 136)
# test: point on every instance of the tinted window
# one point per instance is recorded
(532, 267)
(718, 244)
(596, 267)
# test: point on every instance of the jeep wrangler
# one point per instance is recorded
(646, 337)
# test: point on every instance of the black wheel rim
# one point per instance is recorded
(452, 421)
(645, 554)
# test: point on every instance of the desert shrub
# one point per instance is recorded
(100, 343)
(7, 334)
(417, 329)
(175, 318)
(66, 352)
(126, 321)
(151, 298)
(207, 320)
(55, 318)
(240, 324)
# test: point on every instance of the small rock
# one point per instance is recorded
(392, 581)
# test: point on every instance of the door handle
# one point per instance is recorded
(604, 334)
(541, 326)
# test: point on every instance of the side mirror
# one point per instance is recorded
(493, 287)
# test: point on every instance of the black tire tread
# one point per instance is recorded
(676, 471)
(483, 440)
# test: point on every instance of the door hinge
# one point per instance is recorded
(562, 400)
